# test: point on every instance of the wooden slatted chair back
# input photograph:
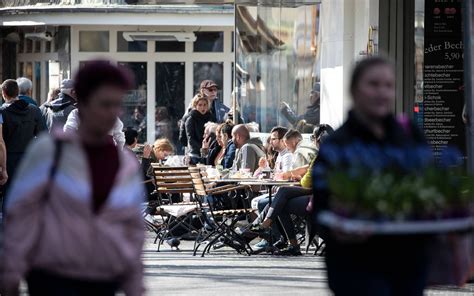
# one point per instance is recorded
(198, 181)
(172, 179)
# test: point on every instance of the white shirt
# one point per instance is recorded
(284, 161)
(72, 124)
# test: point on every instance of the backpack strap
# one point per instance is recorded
(58, 147)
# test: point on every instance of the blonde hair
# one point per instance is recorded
(163, 145)
(199, 97)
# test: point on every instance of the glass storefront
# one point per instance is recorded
(278, 62)
(134, 108)
(170, 95)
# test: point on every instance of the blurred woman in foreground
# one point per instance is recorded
(83, 198)
(359, 264)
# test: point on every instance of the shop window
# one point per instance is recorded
(170, 46)
(134, 108)
(28, 71)
(134, 46)
(170, 85)
(29, 46)
(47, 46)
(37, 46)
(56, 42)
(37, 81)
(212, 71)
(94, 41)
(21, 66)
(21, 44)
(209, 42)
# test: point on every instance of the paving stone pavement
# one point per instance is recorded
(224, 272)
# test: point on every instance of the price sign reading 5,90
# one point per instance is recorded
(453, 56)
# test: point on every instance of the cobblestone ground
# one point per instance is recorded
(224, 272)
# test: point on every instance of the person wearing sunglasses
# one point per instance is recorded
(218, 110)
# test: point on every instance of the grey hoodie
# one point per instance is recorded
(56, 112)
(249, 154)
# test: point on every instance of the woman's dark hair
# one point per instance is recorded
(321, 132)
(98, 73)
(226, 128)
(363, 66)
(130, 136)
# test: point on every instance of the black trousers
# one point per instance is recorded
(390, 266)
(42, 283)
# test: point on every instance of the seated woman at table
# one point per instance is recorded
(292, 199)
(210, 144)
(227, 154)
(156, 153)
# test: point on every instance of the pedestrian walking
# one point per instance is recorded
(26, 90)
(56, 112)
(82, 197)
(20, 123)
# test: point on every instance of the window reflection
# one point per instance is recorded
(93, 41)
(277, 69)
(37, 82)
(20, 69)
(169, 100)
(29, 71)
(209, 42)
(37, 45)
(134, 108)
(29, 45)
(211, 71)
(21, 44)
(170, 46)
(134, 46)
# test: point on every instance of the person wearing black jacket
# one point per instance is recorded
(55, 113)
(20, 122)
(198, 117)
(358, 264)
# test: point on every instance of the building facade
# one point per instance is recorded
(263, 54)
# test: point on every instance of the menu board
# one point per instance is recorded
(443, 81)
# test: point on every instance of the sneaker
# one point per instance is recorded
(290, 251)
(280, 244)
(261, 246)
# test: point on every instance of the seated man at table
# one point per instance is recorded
(283, 162)
(249, 151)
(302, 152)
(293, 200)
